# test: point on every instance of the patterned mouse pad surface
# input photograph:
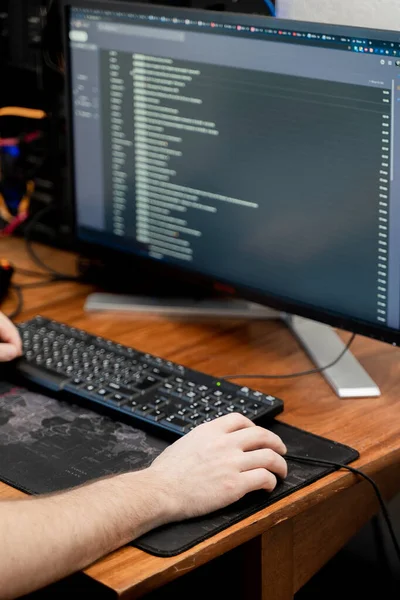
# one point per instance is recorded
(49, 445)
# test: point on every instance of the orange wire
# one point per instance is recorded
(23, 206)
(19, 111)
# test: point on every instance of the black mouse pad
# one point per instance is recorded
(48, 445)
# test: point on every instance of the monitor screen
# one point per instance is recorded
(262, 154)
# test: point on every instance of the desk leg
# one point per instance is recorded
(268, 561)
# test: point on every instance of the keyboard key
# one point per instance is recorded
(156, 415)
(147, 383)
(118, 400)
(116, 387)
(176, 424)
(143, 410)
(160, 373)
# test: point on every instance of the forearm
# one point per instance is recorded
(45, 539)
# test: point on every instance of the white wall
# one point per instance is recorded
(378, 14)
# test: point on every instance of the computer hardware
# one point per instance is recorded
(144, 388)
(252, 155)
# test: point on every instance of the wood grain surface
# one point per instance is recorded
(319, 519)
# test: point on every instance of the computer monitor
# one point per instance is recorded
(257, 155)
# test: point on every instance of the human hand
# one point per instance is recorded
(10, 341)
(216, 464)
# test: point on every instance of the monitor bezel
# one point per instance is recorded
(177, 274)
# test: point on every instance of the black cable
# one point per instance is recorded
(18, 288)
(385, 511)
(302, 373)
(29, 273)
(20, 302)
(32, 253)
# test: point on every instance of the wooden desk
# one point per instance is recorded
(283, 546)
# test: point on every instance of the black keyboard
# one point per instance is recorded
(142, 387)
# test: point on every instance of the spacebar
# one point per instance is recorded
(49, 379)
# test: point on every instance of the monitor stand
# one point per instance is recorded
(348, 378)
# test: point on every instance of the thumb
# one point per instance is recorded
(8, 352)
